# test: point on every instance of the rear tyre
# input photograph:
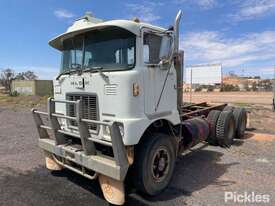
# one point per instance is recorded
(240, 117)
(225, 129)
(228, 108)
(154, 164)
(212, 119)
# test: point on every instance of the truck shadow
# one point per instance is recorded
(193, 172)
(238, 142)
(42, 187)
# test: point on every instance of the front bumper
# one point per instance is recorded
(86, 157)
(98, 163)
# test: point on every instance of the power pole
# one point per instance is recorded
(273, 88)
(191, 83)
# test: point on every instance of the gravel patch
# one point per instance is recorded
(201, 177)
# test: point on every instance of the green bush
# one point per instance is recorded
(210, 88)
(230, 88)
(198, 89)
(14, 94)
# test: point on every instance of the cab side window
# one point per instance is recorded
(151, 48)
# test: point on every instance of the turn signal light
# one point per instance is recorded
(135, 90)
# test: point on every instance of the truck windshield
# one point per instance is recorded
(110, 49)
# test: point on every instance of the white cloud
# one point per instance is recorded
(265, 70)
(63, 14)
(203, 4)
(251, 9)
(206, 4)
(146, 11)
(212, 47)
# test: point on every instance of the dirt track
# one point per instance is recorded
(200, 178)
(250, 98)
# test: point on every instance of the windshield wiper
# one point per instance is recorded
(66, 72)
(96, 69)
(93, 69)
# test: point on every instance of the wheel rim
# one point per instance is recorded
(160, 164)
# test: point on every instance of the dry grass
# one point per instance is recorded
(22, 101)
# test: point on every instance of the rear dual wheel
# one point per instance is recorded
(240, 116)
(222, 128)
(228, 108)
(225, 129)
(212, 119)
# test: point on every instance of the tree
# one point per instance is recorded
(28, 75)
(230, 88)
(6, 77)
(254, 86)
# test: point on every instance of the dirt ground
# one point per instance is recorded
(243, 98)
(258, 104)
(201, 177)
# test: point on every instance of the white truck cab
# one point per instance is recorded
(118, 113)
(114, 67)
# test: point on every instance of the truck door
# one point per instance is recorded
(154, 77)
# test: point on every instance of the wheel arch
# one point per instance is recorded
(159, 126)
(136, 129)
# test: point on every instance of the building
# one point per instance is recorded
(210, 74)
(248, 83)
(33, 87)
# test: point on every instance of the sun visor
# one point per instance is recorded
(84, 25)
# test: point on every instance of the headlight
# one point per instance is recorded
(107, 132)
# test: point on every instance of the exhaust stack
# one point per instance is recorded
(177, 33)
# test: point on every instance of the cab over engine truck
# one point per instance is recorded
(117, 112)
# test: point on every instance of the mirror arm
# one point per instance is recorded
(153, 65)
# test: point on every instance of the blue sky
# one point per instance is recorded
(240, 34)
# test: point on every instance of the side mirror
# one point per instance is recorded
(166, 49)
(146, 53)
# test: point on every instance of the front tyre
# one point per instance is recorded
(154, 163)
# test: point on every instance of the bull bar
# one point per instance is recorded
(87, 157)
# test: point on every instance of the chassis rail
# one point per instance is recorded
(190, 110)
(86, 157)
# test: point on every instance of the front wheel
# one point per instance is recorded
(154, 163)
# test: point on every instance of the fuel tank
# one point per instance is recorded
(194, 130)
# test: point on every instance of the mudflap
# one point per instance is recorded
(113, 190)
(51, 164)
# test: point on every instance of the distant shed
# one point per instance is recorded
(33, 87)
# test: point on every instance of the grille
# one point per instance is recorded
(89, 109)
(110, 89)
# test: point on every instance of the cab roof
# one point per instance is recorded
(89, 23)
